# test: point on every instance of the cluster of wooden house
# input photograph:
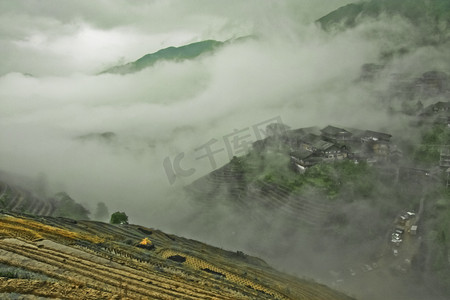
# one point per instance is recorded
(310, 146)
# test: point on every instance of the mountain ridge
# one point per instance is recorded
(189, 51)
(416, 11)
(172, 53)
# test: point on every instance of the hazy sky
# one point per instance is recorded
(62, 37)
(50, 95)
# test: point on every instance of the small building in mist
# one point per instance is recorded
(335, 134)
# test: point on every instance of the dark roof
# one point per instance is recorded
(322, 145)
(301, 154)
(378, 135)
(310, 138)
(331, 130)
(301, 132)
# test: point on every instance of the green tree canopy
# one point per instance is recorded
(119, 218)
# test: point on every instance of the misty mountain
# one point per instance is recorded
(189, 51)
(431, 12)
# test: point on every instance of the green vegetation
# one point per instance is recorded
(274, 168)
(345, 15)
(428, 152)
(189, 51)
(4, 200)
(119, 218)
(343, 177)
(416, 11)
(330, 178)
(67, 207)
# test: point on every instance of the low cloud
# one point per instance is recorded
(291, 69)
(300, 73)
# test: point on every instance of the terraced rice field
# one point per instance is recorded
(94, 260)
(261, 198)
(15, 199)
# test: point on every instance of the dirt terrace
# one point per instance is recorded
(93, 260)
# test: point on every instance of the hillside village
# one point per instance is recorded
(275, 179)
(310, 146)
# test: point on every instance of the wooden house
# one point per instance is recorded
(336, 134)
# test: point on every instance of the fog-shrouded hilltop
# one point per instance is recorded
(168, 54)
(434, 13)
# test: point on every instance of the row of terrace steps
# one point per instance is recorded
(17, 200)
(278, 198)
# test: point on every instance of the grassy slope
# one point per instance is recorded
(189, 51)
(415, 10)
